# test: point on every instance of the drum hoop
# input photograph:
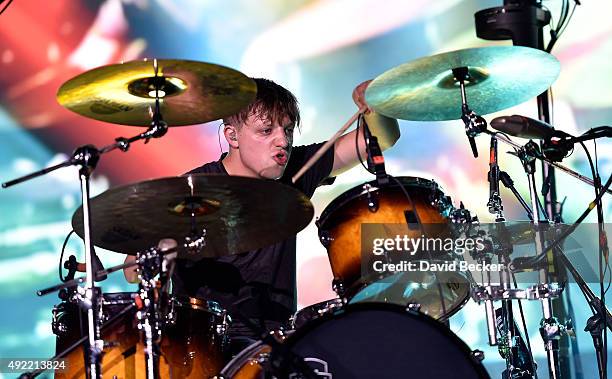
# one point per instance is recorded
(358, 190)
(118, 298)
(360, 284)
(231, 368)
(330, 306)
(363, 306)
(199, 304)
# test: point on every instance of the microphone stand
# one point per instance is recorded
(509, 183)
(376, 160)
(502, 138)
(513, 350)
(495, 201)
(550, 329)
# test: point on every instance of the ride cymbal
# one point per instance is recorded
(499, 77)
(190, 92)
(239, 214)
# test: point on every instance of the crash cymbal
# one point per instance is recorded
(193, 92)
(425, 89)
(239, 214)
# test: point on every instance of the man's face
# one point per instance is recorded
(264, 148)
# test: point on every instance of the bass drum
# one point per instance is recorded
(378, 340)
(418, 202)
(193, 343)
(366, 340)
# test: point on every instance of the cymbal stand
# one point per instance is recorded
(86, 158)
(149, 315)
(474, 123)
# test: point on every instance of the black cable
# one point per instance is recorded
(219, 137)
(61, 275)
(602, 270)
(564, 20)
(568, 20)
(520, 304)
(607, 269)
(360, 122)
(6, 6)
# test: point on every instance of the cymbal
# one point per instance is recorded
(124, 93)
(499, 77)
(239, 214)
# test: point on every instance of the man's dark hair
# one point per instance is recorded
(273, 102)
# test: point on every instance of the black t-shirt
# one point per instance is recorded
(260, 284)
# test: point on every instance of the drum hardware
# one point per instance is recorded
(551, 328)
(314, 312)
(325, 238)
(479, 355)
(495, 201)
(535, 292)
(501, 327)
(151, 262)
(549, 322)
(371, 199)
(602, 315)
(338, 286)
(273, 364)
(375, 159)
(509, 183)
(414, 307)
(87, 157)
(474, 123)
(151, 306)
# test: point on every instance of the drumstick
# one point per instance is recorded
(327, 145)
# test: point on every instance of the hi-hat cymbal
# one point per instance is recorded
(239, 214)
(193, 92)
(499, 77)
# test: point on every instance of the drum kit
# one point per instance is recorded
(383, 324)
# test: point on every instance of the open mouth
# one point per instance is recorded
(280, 158)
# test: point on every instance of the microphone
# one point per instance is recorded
(495, 202)
(376, 160)
(525, 127)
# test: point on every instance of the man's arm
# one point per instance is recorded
(384, 128)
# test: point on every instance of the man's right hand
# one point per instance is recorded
(131, 273)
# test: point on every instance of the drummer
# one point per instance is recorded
(261, 284)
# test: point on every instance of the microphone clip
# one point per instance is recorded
(376, 160)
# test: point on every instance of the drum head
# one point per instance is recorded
(438, 295)
(381, 341)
